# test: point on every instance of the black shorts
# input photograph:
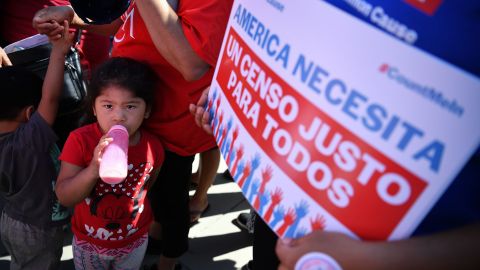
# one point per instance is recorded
(169, 200)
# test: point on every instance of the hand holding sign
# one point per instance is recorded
(364, 128)
(345, 152)
(202, 117)
(334, 244)
(413, 253)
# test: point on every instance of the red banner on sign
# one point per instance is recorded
(357, 184)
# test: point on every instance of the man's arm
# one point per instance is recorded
(165, 29)
(44, 21)
(454, 249)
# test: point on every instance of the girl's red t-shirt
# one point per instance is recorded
(114, 216)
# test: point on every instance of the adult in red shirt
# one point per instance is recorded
(182, 47)
(16, 24)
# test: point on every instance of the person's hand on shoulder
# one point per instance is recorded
(4, 60)
(45, 21)
(202, 117)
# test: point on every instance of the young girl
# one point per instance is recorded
(110, 222)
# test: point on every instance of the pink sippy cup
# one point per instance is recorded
(114, 164)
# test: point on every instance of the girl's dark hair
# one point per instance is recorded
(127, 73)
(19, 88)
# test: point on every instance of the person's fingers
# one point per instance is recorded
(104, 142)
(4, 60)
(39, 19)
(201, 117)
(193, 109)
(281, 249)
(198, 115)
(58, 32)
(205, 117)
(56, 29)
(206, 123)
(57, 37)
(42, 28)
(46, 27)
(208, 129)
(289, 242)
(66, 32)
(286, 252)
(65, 28)
(202, 101)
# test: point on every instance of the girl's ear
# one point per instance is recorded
(147, 112)
(28, 112)
(93, 111)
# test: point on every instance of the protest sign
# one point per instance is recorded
(329, 122)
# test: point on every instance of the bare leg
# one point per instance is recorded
(207, 170)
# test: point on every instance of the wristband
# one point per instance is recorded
(317, 261)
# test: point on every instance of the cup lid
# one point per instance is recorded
(118, 127)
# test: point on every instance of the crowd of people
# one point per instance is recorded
(111, 228)
(148, 68)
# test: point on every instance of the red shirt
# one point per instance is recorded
(114, 216)
(16, 24)
(203, 24)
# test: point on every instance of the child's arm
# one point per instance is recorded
(75, 183)
(454, 249)
(53, 83)
(44, 21)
